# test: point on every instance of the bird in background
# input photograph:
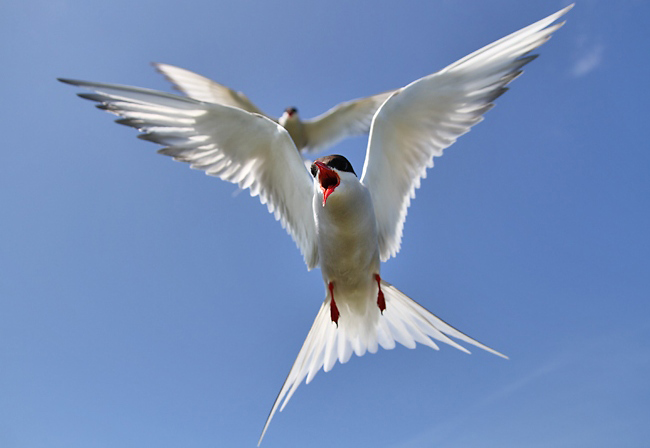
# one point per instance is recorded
(347, 119)
(343, 223)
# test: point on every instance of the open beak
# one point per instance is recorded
(328, 180)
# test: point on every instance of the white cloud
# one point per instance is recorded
(589, 60)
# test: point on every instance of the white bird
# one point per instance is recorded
(343, 224)
(347, 119)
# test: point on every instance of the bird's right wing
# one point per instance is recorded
(204, 89)
(344, 120)
(243, 148)
(422, 119)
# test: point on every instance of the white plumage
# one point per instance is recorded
(343, 224)
(347, 119)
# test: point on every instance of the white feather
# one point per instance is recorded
(403, 321)
(422, 119)
(227, 142)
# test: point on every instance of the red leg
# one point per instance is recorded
(334, 311)
(381, 302)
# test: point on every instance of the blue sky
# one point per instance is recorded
(146, 304)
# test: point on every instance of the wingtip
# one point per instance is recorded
(72, 82)
(564, 10)
(158, 66)
(79, 83)
(266, 426)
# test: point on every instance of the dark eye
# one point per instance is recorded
(314, 170)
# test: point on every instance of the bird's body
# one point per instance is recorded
(347, 244)
(344, 224)
(290, 120)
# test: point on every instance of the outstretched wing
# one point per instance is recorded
(232, 144)
(204, 89)
(428, 115)
(344, 120)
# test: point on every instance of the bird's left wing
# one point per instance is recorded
(243, 148)
(344, 120)
(422, 119)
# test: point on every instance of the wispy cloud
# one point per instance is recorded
(450, 427)
(588, 376)
(590, 56)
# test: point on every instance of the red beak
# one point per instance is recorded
(328, 180)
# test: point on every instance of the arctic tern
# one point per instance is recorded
(344, 224)
(343, 120)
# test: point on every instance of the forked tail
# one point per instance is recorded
(404, 321)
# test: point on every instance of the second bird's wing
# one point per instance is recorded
(204, 89)
(344, 120)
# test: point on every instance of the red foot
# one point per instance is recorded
(381, 302)
(334, 311)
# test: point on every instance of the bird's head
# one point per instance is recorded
(329, 172)
(290, 113)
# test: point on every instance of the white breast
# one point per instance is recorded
(347, 239)
(296, 130)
